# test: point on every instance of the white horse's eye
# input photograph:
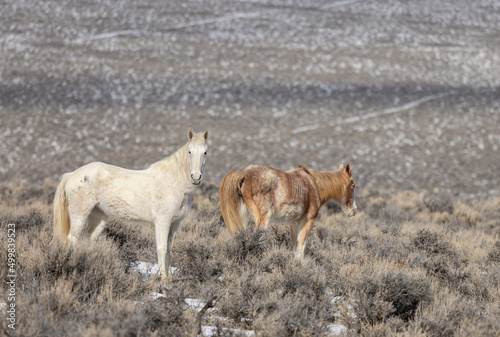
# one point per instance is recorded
(205, 153)
(189, 152)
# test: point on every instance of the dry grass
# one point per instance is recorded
(407, 265)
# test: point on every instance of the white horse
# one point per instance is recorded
(160, 195)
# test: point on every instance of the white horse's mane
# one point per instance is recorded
(179, 157)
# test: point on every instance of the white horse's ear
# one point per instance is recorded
(190, 134)
(341, 166)
(205, 135)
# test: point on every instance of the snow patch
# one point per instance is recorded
(375, 114)
(336, 329)
(148, 268)
(110, 35)
(212, 330)
(339, 3)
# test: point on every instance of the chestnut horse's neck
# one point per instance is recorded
(330, 184)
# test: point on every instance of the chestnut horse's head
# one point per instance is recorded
(348, 203)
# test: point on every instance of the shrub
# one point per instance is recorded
(279, 236)
(465, 216)
(433, 244)
(443, 317)
(381, 295)
(494, 254)
(247, 243)
(448, 266)
(196, 260)
(166, 316)
(31, 219)
(485, 323)
(245, 292)
(305, 278)
(131, 240)
(439, 202)
(98, 270)
(276, 259)
(23, 193)
(293, 316)
(89, 290)
(251, 294)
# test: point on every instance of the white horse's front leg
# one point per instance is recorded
(171, 236)
(162, 228)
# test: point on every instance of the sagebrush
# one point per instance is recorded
(399, 267)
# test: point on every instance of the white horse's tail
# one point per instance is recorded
(231, 199)
(61, 215)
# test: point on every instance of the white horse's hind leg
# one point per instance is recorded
(78, 224)
(72, 239)
(79, 209)
(97, 221)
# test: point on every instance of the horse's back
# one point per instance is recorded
(265, 178)
(88, 175)
(120, 193)
(99, 172)
(288, 193)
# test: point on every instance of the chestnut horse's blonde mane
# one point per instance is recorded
(330, 184)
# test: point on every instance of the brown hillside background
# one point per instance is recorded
(406, 91)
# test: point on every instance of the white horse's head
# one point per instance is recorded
(197, 155)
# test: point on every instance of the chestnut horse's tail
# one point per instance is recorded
(61, 215)
(231, 200)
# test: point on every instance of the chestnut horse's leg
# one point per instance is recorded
(264, 219)
(300, 232)
(254, 208)
(260, 214)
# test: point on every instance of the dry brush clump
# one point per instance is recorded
(397, 268)
(24, 193)
(88, 290)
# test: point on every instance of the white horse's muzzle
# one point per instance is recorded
(196, 181)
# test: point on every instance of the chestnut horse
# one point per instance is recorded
(293, 197)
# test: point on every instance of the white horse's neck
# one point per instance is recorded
(176, 166)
